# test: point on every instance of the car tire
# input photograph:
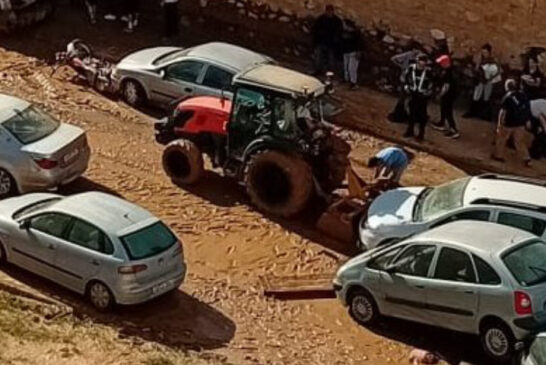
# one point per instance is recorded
(3, 255)
(183, 162)
(278, 184)
(100, 296)
(7, 184)
(497, 341)
(133, 93)
(362, 307)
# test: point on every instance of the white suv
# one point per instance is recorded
(508, 200)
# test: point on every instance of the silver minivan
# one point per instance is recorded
(37, 152)
(475, 277)
(96, 244)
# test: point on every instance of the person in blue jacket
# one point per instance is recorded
(390, 163)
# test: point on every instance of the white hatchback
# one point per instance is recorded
(508, 200)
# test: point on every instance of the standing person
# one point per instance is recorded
(418, 86)
(403, 61)
(132, 11)
(487, 74)
(448, 94)
(538, 118)
(352, 51)
(390, 163)
(531, 78)
(514, 116)
(170, 14)
(326, 34)
(91, 7)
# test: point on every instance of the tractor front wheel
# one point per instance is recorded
(183, 162)
(278, 183)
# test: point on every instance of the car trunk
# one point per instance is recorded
(160, 265)
(64, 145)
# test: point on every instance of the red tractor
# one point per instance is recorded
(272, 137)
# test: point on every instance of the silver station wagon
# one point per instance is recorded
(37, 152)
(475, 277)
(109, 249)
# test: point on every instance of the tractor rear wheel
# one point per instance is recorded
(183, 162)
(278, 183)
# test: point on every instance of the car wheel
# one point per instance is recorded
(133, 93)
(362, 307)
(7, 184)
(497, 341)
(3, 256)
(100, 296)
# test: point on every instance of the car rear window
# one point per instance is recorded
(527, 264)
(30, 125)
(149, 241)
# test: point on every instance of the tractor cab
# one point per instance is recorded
(277, 106)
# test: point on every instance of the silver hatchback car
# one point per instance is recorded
(36, 151)
(109, 249)
(162, 75)
(474, 277)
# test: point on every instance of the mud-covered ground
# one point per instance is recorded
(220, 311)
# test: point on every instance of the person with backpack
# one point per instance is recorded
(514, 118)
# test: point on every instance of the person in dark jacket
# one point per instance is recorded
(418, 86)
(514, 118)
(326, 34)
(448, 94)
(531, 79)
(351, 45)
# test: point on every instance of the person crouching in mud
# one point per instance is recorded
(390, 163)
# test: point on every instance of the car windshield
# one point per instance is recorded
(34, 207)
(170, 56)
(30, 125)
(526, 263)
(444, 198)
(148, 241)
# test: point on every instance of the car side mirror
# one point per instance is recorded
(162, 74)
(392, 269)
(24, 224)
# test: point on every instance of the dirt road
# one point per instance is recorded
(220, 309)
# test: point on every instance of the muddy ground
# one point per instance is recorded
(220, 311)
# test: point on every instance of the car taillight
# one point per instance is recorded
(124, 270)
(522, 303)
(46, 163)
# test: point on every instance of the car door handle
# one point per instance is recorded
(95, 262)
(469, 292)
(51, 246)
(420, 286)
(188, 89)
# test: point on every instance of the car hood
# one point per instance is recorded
(144, 59)
(393, 207)
(56, 141)
(9, 206)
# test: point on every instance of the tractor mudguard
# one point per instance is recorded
(261, 144)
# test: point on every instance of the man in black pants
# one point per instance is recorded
(448, 94)
(418, 86)
(170, 14)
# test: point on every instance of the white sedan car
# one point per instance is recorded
(400, 213)
(96, 244)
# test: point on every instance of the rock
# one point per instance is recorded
(231, 28)
(231, 1)
(272, 16)
(252, 15)
(203, 3)
(240, 5)
(184, 21)
(305, 29)
(242, 11)
(284, 19)
(472, 17)
(437, 34)
(388, 39)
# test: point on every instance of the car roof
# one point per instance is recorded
(236, 57)
(107, 212)
(207, 102)
(8, 104)
(282, 79)
(507, 189)
(484, 237)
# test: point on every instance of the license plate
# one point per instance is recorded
(69, 157)
(161, 287)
